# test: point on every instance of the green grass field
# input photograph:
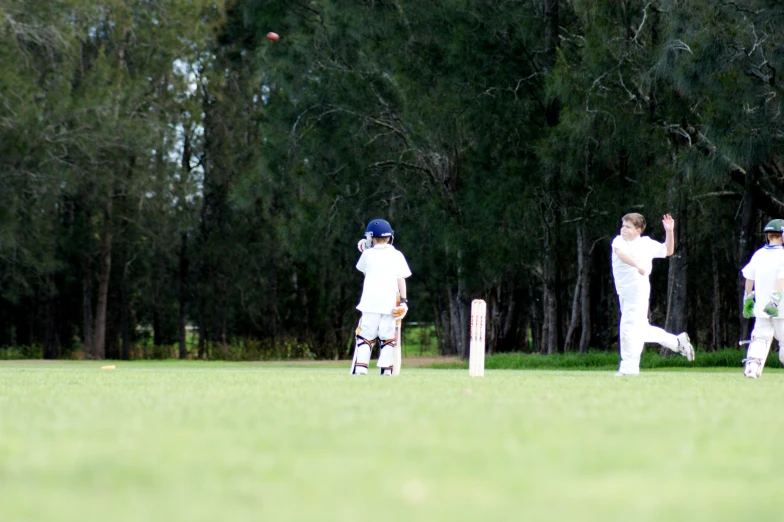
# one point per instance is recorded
(232, 441)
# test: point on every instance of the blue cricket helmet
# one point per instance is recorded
(380, 228)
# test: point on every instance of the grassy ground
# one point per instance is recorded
(727, 358)
(231, 441)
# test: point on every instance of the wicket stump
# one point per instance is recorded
(476, 356)
(398, 350)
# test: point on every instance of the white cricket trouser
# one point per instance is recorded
(373, 325)
(635, 331)
(765, 329)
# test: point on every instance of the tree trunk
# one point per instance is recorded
(537, 328)
(510, 336)
(220, 318)
(464, 301)
(87, 307)
(24, 314)
(183, 295)
(585, 292)
(585, 310)
(748, 217)
(503, 318)
(124, 326)
(3, 325)
(157, 326)
(574, 320)
(585, 253)
(438, 321)
(459, 314)
(159, 276)
(550, 329)
(441, 310)
(455, 325)
(553, 109)
(550, 325)
(105, 252)
(525, 325)
(493, 319)
(124, 319)
(677, 278)
(716, 326)
(99, 340)
(273, 305)
(612, 313)
(551, 25)
(202, 329)
(52, 343)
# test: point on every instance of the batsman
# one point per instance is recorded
(764, 284)
(385, 270)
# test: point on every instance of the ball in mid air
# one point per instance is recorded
(273, 37)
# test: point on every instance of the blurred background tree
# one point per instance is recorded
(165, 166)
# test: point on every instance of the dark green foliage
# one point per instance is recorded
(168, 165)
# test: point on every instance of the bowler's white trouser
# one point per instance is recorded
(765, 329)
(635, 331)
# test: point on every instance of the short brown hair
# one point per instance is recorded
(637, 220)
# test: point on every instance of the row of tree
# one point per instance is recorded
(164, 164)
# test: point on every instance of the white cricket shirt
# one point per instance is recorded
(628, 281)
(382, 265)
(765, 267)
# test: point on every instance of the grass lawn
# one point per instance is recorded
(202, 441)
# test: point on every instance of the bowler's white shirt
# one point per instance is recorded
(628, 281)
(764, 268)
(382, 265)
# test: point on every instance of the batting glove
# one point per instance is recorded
(400, 311)
(748, 305)
(772, 308)
(362, 245)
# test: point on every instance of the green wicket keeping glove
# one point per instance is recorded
(772, 308)
(748, 305)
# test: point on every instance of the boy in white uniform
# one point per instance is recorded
(385, 270)
(632, 262)
(764, 282)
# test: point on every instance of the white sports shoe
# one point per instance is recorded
(623, 374)
(753, 368)
(684, 346)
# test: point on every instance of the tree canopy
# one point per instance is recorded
(165, 165)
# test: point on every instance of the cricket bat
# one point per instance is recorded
(354, 359)
(398, 353)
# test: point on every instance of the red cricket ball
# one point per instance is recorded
(273, 37)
